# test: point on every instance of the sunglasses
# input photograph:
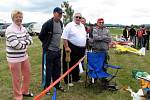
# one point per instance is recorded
(78, 17)
(101, 22)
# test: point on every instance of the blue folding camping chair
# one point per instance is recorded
(96, 69)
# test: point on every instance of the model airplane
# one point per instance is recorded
(136, 96)
(120, 48)
(118, 39)
(114, 43)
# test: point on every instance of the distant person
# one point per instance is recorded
(132, 35)
(90, 31)
(120, 38)
(17, 40)
(126, 33)
(148, 34)
(74, 41)
(139, 36)
(145, 37)
(83, 21)
(50, 37)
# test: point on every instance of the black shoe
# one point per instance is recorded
(28, 95)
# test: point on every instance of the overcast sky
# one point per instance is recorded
(125, 12)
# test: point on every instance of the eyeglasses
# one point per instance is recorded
(78, 17)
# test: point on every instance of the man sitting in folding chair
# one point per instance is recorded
(100, 45)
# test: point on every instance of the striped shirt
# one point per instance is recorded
(17, 40)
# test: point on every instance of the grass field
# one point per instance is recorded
(128, 62)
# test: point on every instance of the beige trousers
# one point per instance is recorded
(20, 78)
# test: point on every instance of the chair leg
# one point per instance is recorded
(86, 85)
(86, 80)
(104, 83)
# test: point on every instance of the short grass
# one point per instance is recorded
(128, 62)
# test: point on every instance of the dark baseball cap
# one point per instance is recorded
(58, 10)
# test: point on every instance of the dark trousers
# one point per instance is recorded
(53, 67)
(140, 42)
(146, 42)
(76, 54)
(133, 39)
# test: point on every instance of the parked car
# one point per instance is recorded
(34, 28)
(2, 30)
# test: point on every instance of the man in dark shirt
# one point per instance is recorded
(132, 34)
(50, 37)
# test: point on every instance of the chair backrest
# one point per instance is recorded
(95, 60)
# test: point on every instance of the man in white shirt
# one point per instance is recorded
(74, 38)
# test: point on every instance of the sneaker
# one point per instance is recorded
(80, 81)
(28, 95)
(71, 84)
(61, 89)
(48, 93)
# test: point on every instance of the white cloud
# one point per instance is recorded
(28, 17)
(113, 11)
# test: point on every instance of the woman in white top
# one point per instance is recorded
(17, 41)
(74, 37)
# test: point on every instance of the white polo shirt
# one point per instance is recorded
(75, 34)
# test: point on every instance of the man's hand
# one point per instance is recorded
(67, 49)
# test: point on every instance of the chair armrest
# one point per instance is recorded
(115, 67)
